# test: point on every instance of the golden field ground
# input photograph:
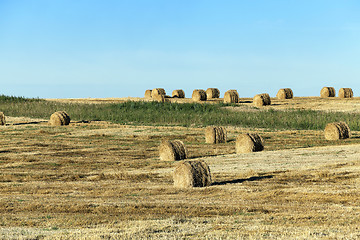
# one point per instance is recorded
(98, 180)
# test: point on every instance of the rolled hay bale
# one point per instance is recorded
(215, 134)
(346, 93)
(327, 92)
(212, 93)
(262, 99)
(158, 91)
(231, 96)
(337, 130)
(148, 94)
(2, 118)
(59, 118)
(188, 174)
(249, 142)
(285, 93)
(179, 93)
(159, 98)
(198, 95)
(172, 150)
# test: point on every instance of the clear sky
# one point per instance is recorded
(120, 48)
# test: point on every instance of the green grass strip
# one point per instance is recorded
(186, 114)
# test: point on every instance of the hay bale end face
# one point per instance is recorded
(262, 100)
(179, 93)
(148, 94)
(158, 91)
(327, 92)
(285, 93)
(249, 142)
(336, 131)
(59, 118)
(199, 95)
(212, 93)
(346, 93)
(231, 96)
(2, 118)
(215, 135)
(188, 174)
(172, 150)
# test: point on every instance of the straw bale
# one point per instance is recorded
(148, 94)
(158, 91)
(327, 92)
(198, 95)
(337, 130)
(285, 93)
(215, 134)
(231, 96)
(172, 150)
(159, 98)
(212, 93)
(346, 93)
(2, 119)
(59, 118)
(188, 174)
(249, 142)
(179, 93)
(262, 100)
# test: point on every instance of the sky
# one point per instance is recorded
(120, 48)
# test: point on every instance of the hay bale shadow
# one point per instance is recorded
(250, 179)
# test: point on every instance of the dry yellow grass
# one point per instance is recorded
(99, 180)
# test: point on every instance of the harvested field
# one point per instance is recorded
(95, 179)
(308, 103)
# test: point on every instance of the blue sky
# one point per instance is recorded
(120, 48)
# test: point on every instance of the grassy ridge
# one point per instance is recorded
(187, 114)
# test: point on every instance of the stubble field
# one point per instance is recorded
(101, 180)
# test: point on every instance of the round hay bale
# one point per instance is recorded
(215, 135)
(212, 93)
(148, 94)
(179, 93)
(231, 96)
(346, 93)
(336, 131)
(159, 98)
(59, 118)
(188, 174)
(172, 150)
(249, 142)
(158, 91)
(198, 95)
(2, 118)
(327, 92)
(285, 93)
(262, 100)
